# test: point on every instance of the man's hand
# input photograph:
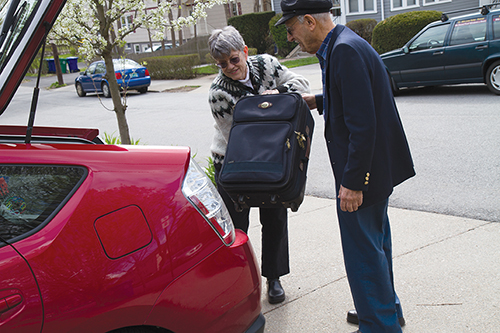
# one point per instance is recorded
(350, 200)
(310, 100)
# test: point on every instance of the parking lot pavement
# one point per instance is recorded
(446, 272)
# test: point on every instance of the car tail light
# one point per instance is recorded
(203, 195)
(147, 72)
(118, 75)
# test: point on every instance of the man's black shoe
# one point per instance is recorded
(352, 317)
(275, 292)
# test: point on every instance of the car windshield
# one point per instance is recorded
(121, 64)
(15, 16)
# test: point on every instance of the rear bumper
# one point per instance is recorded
(222, 292)
(258, 325)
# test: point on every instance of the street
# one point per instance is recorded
(452, 131)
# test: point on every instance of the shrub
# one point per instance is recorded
(279, 36)
(395, 31)
(254, 28)
(172, 67)
(363, 27)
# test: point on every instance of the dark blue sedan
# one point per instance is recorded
(464, 49)
(129, 74)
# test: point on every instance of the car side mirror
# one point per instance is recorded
(406, 50)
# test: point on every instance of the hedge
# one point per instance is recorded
(395, 31)
(363, 27)
(172, 67)
(254, 28)
(279, 36)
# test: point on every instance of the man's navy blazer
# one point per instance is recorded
(365, 138)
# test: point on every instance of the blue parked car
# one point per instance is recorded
(129, 74)
(464, 49)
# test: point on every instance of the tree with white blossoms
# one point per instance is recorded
(95, 26)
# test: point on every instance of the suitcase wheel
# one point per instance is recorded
(294, 207)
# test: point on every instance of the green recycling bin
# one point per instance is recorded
(64, 65)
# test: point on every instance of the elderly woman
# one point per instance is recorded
(241, 75)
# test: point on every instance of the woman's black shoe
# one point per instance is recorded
(275, 292)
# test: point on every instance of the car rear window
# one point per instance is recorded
(30, 194)
(121, 64)
(469, 31)
(496, 27)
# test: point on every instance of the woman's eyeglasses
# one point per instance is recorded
(233, 61)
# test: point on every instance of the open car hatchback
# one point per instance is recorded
(108, 238)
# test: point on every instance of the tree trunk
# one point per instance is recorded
(60, 80)
(118, 106)
(179, 14)
(172, 32)
(256, 6)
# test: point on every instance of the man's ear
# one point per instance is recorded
(309, 22)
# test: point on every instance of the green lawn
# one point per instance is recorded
(212, 69)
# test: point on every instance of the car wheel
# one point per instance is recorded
(79, 90)
(105, 90)
(493, 78)
(143, 90)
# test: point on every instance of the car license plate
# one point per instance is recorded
(134, 75)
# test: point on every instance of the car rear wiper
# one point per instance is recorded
(11, 19)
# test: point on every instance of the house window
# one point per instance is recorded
(434, 2)
(361, 6)
(127, 21)
(403, 4)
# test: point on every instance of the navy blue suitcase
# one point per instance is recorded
(268, 151)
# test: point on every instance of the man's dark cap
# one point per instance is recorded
(293, 8)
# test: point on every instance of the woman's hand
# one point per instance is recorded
(270, 92)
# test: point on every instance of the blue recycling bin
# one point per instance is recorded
(73, 64)
(52, 65)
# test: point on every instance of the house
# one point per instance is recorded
(381, 9)
(217, 16)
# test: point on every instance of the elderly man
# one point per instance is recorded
(368, 152)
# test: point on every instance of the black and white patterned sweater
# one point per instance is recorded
(266, 73)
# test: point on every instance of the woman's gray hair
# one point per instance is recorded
(224, 41)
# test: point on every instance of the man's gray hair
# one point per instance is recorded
(224, 41)
(318, 16)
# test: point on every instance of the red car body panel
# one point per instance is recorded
(128, 249)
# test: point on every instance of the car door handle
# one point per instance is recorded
(481, 47)
(10, 302)
(438, 53)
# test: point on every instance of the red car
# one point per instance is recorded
(101, 238)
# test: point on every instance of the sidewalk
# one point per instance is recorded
(447, 269)
(447, 272)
